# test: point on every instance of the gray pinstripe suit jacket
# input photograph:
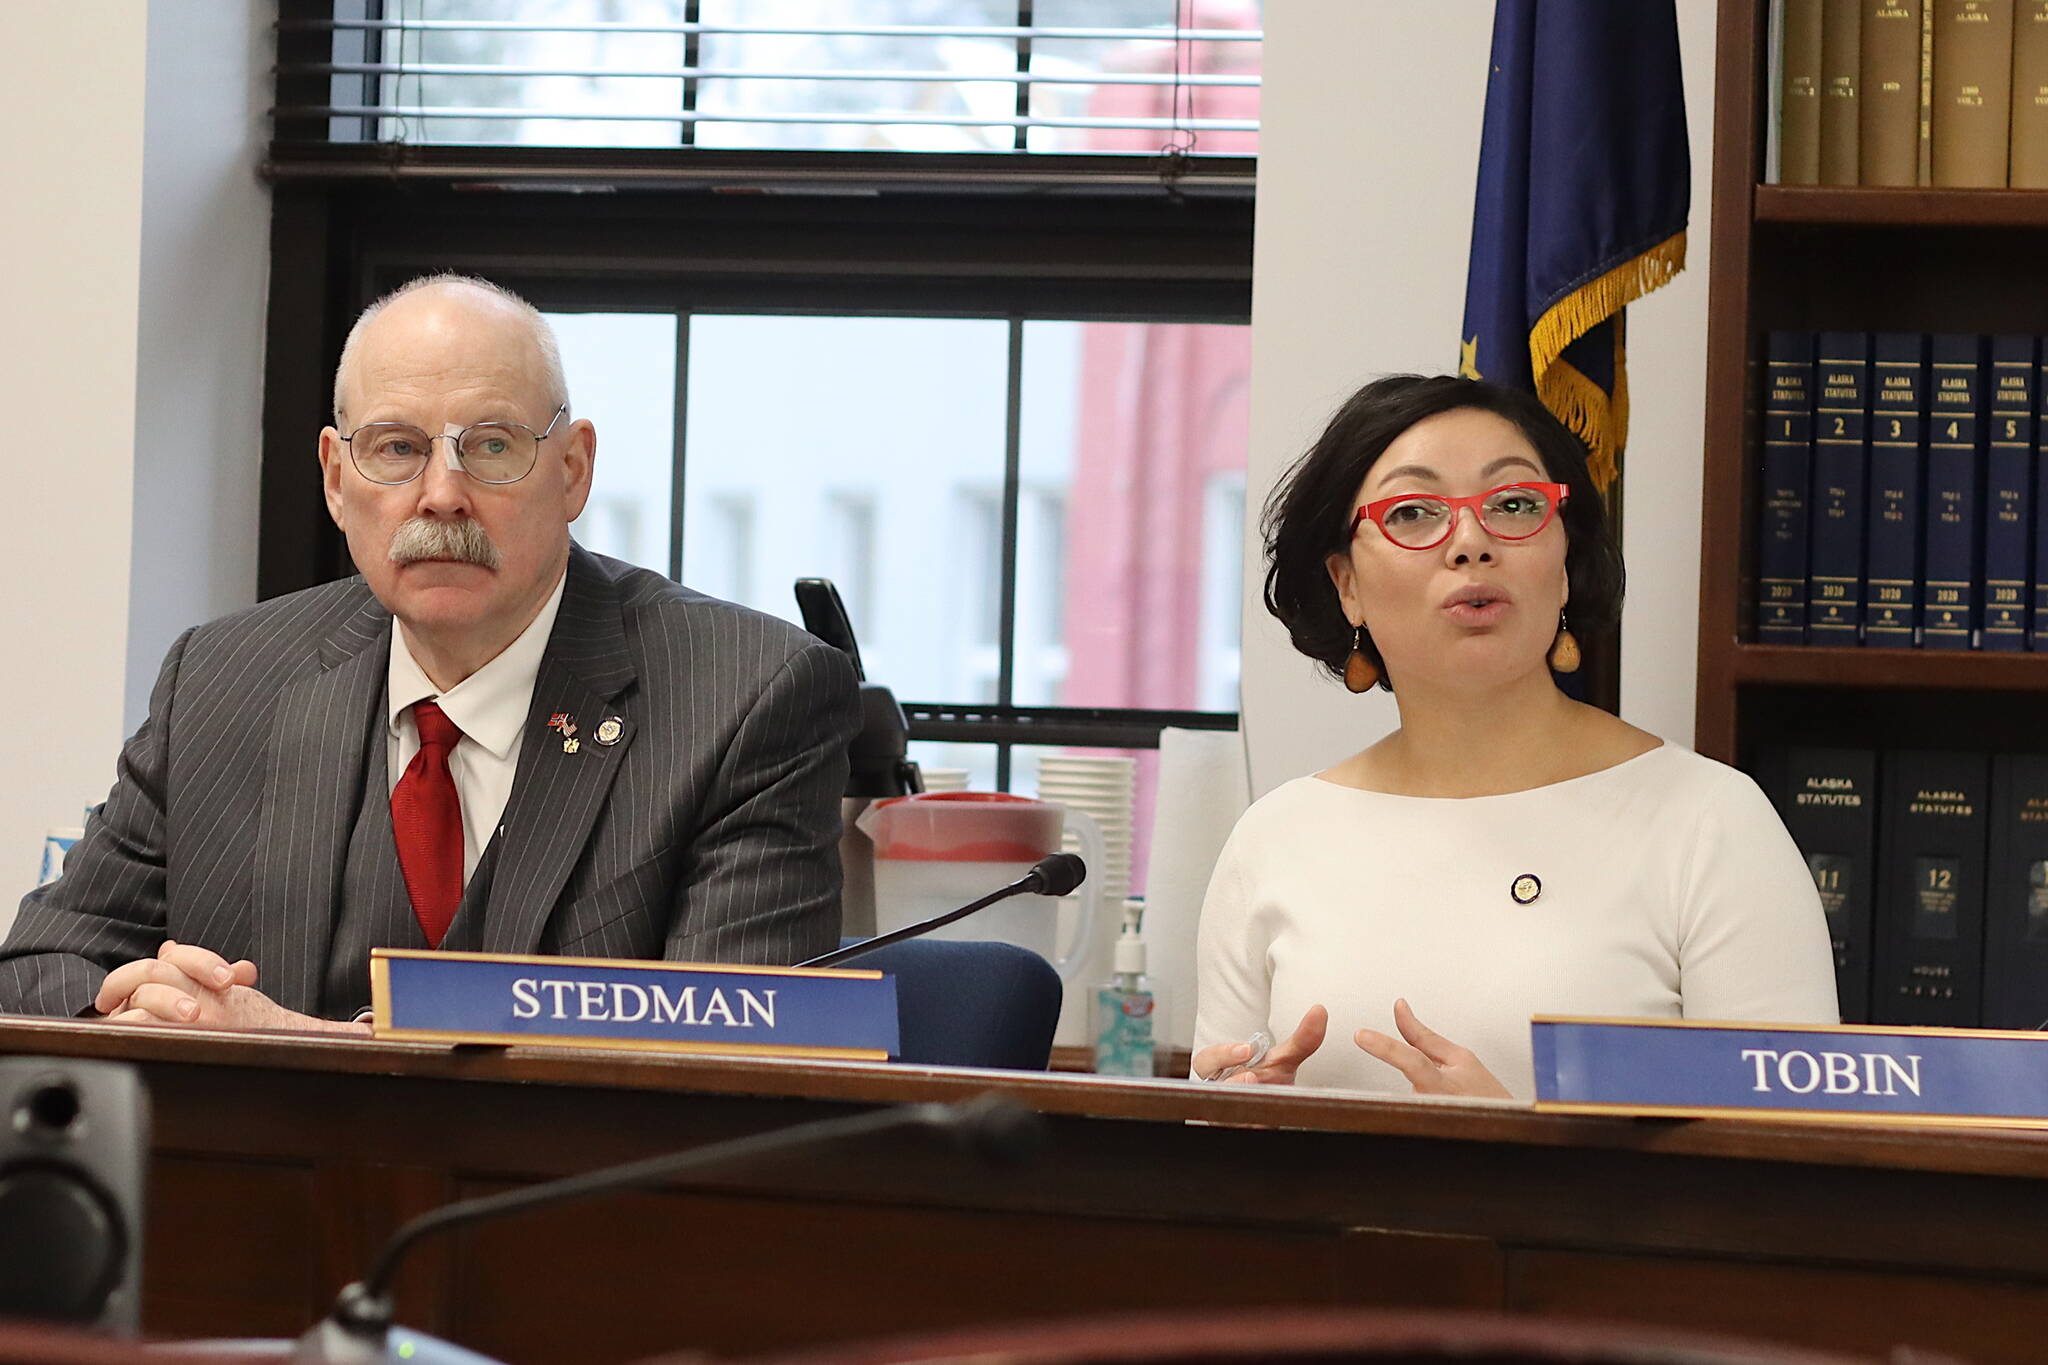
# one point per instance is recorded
(708, 832)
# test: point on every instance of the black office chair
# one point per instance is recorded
(1283, 1334)
(970, 1004)
(881, 765)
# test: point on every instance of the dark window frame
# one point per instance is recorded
(1018, 237)
(308, 38)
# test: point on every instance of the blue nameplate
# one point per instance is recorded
(1849, 1073)
(840, 1013)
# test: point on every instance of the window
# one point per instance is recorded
(1041, 649)
(895, 292)
(978, 586)
(848, 552)
(621, 368)
(726, 561)
(942, 76)
(1222, 614)
(1104, 574)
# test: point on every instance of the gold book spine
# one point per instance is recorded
(1926, 175)
(1972, 92)
(2030, 95)
(1841, 71)
(1799, 95)
(1888, 99)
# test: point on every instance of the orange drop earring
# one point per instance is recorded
(1564, 650)
(1359, 672)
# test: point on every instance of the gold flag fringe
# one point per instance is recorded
(1576, 400)
(1582, 405)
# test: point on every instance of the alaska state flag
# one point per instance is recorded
(1584, 184)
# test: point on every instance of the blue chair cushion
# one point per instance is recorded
(970, 1004)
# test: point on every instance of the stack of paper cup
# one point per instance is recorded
(943, 779)
(1104, 787)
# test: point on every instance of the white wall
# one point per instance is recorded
(1368, 153)
(205, 276)
(134, 281)
(1667, 376)
(71, 137)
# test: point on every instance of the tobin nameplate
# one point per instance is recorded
(843, 1013)
(1847, 1073)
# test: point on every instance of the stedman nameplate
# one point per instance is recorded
(1849, 1073)
(841, 1013)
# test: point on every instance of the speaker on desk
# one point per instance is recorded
(73, 1139)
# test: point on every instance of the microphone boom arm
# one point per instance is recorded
(1053, 875)
(838, 955)
(356, 1328)
(375, 1286)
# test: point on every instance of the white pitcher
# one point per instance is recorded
(936, 851)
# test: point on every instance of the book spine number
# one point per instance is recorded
(1787, 460)
(1834, 605)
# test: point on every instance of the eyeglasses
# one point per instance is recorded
(1422, 521)
(489, 452)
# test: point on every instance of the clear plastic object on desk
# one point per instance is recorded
(1262, 1043)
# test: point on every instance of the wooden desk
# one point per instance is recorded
(282, 1162)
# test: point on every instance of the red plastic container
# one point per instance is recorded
(963, 827)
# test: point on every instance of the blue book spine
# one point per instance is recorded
(1835, 512)
(2009, 493)
(2038, 634)
(1786, 475)
(1955, 404)
(1898, 408)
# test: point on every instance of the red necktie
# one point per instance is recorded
(426, 821)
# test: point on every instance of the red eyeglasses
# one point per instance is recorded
(1422, 521)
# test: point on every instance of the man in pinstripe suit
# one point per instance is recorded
(641, 771)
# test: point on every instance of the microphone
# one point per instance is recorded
(1056, 874)
(991, 1128)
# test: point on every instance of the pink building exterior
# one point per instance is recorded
(1162, 409)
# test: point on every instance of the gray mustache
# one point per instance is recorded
(462, 541)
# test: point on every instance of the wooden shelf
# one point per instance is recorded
(1814, 257)
(1960, 670)
(1873, 207)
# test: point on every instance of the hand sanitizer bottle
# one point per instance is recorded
(1123, 1006)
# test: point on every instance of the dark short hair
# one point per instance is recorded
(1308, 516)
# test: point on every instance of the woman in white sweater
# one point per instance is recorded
(1506, 851)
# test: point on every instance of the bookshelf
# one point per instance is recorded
(1814, 258)
(1870, 207)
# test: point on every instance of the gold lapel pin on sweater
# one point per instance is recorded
(1526, 888)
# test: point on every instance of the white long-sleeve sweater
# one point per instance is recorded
(1669, 888)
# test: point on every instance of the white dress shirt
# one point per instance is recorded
(489, 707)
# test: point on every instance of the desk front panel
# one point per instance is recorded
(281, 1165)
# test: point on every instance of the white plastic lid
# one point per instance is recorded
(1130, 953)
(1130, 944)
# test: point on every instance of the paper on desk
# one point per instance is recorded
(1203, 788)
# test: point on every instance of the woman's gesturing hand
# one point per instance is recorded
(1279, 1064)
(1433, 1064)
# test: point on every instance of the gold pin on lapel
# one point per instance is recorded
(565, 725)
(609, 730)
(570, 746)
